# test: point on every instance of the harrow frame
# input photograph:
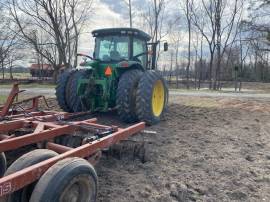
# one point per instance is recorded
(46, 126)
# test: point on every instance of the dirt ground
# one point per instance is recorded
(205, 149)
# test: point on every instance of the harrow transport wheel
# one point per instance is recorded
(28, 159)
(72, 179)
(73, 100)
(151, 97)
(60, 90)
(3, 164)
(126, 93)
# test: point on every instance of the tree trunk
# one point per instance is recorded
(176, 63)
(235, 80)
(201, 64)
(130, 14)
(210, 70)
(10, 70)
(3, 70)
(177, 76)
(218, 43)
(171, 68)
(189, 42)
(56, 72)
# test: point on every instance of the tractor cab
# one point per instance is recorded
(121, 44)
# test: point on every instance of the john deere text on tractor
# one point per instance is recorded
(120, 74)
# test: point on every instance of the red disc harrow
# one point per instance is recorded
(45, 129)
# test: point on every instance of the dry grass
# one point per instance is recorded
(31, 85)
(2, 99)
(24, 75)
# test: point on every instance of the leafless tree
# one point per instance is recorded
(196, 63)
(206, 9)
(152, 17)
(175, 35)
(259, 19)
(244, 50)
(129, 4)
(51, 27)
(227, 30)
(8, 39)
(187, 10)
(219, 28)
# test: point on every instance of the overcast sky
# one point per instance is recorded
(107, 14)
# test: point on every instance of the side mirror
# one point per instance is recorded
(166, 46)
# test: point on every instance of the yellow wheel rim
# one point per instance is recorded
(158, 98)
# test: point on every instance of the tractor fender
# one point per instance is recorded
(130, 65)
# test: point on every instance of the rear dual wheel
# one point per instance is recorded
(126, 95)
(61, 88)
(151, 97)
(141, 96)
(73, 99)
(66, 90)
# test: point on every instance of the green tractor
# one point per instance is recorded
(121, 74)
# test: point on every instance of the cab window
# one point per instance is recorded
(112, 48)
(139, 47)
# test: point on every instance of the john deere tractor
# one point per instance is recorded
(121, 74)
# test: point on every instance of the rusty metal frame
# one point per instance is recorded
(10, 102)
(44, 127)
(46, 131)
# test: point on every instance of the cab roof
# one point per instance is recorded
(121, 31)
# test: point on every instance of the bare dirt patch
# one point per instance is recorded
(206, 149)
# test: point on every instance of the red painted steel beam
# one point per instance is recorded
(18, 180)
(3, 137)
(57, 147)
(95, 125)
(13, 93)
(27, 100)
(11, 125)
(20, 114)
(17, 142)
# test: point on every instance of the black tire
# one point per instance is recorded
(28, 159)
(73, 100)
(144, 93)
(60, 90)
(166, 96)
(3, 164)
(126, 93)
(57, 183)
